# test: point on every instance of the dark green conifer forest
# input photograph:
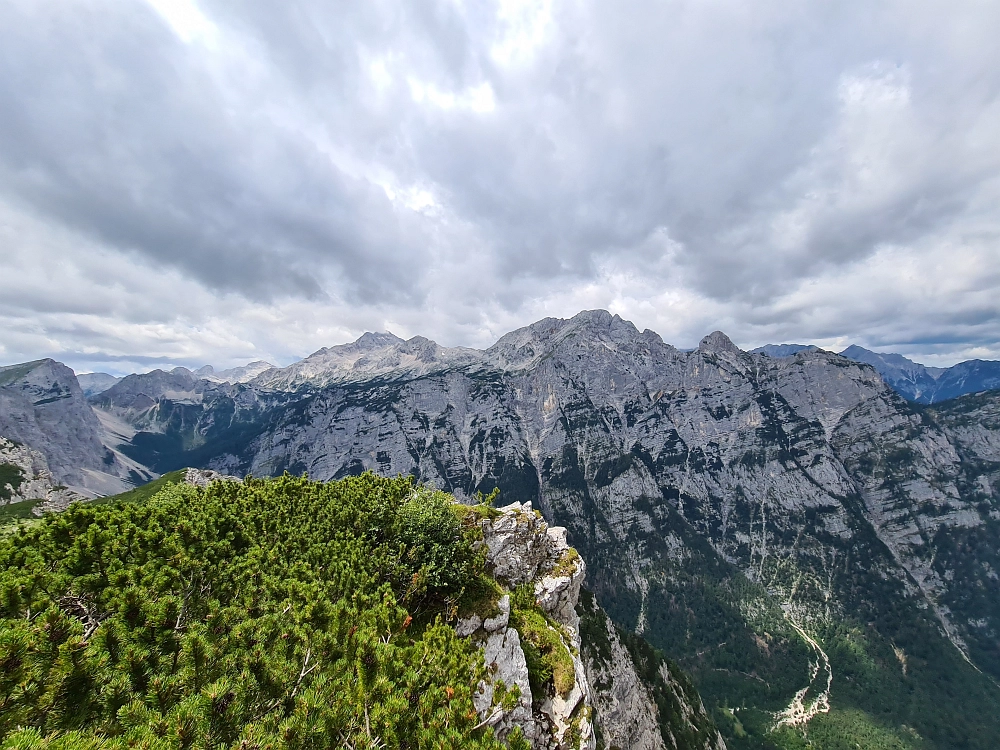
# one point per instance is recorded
(272, 613)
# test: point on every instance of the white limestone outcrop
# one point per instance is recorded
(204, 477)
(523, 549)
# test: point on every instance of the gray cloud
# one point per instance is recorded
(270, 175)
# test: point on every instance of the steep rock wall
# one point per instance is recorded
(524, 551)
(43, 407)
(640, 701)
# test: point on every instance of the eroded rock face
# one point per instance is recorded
(43, 406)
(204, 477)
(608, 696)
(506, 663)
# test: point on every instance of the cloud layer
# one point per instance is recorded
(190, 181)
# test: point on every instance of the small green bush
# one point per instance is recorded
(548, 660)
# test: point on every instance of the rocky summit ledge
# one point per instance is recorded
(527, 556)
(204, 477)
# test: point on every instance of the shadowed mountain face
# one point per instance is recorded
(809, 545)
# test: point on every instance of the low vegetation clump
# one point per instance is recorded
(566, 565)
(14, 515)
(275, 613)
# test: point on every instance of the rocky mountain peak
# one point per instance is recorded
(377, 340)
(94, 383)
(779, 351)
(179, 382)
(234, 374)
(601, 318)
(604, 321)
(372, 355)
(41, 367)
(719, 343)
(586, 330)
(524, 345)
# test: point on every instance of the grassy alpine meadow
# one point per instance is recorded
(269, 613)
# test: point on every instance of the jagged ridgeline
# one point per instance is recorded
(286, 613)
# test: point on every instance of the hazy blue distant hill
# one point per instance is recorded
(968, 377)
(929, 385)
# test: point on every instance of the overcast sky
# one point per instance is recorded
(215, 181)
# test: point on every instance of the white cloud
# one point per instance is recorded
(478, 98)
(206, 182)
(523, 29)
(186, 19)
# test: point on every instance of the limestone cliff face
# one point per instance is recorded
(640, 701)
(523, 550)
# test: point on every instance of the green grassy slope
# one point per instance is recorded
(142, 492)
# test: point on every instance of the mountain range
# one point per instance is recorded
(821, 554)
(911, 380)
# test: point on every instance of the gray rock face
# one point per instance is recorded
(204, 477)
(626, 708)
(26, 476)
(93, 383)
(134, 393)
(374, 355)
(524, 550)
(242, 374)
(725, 501)
(782, 350)
(43, 407)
